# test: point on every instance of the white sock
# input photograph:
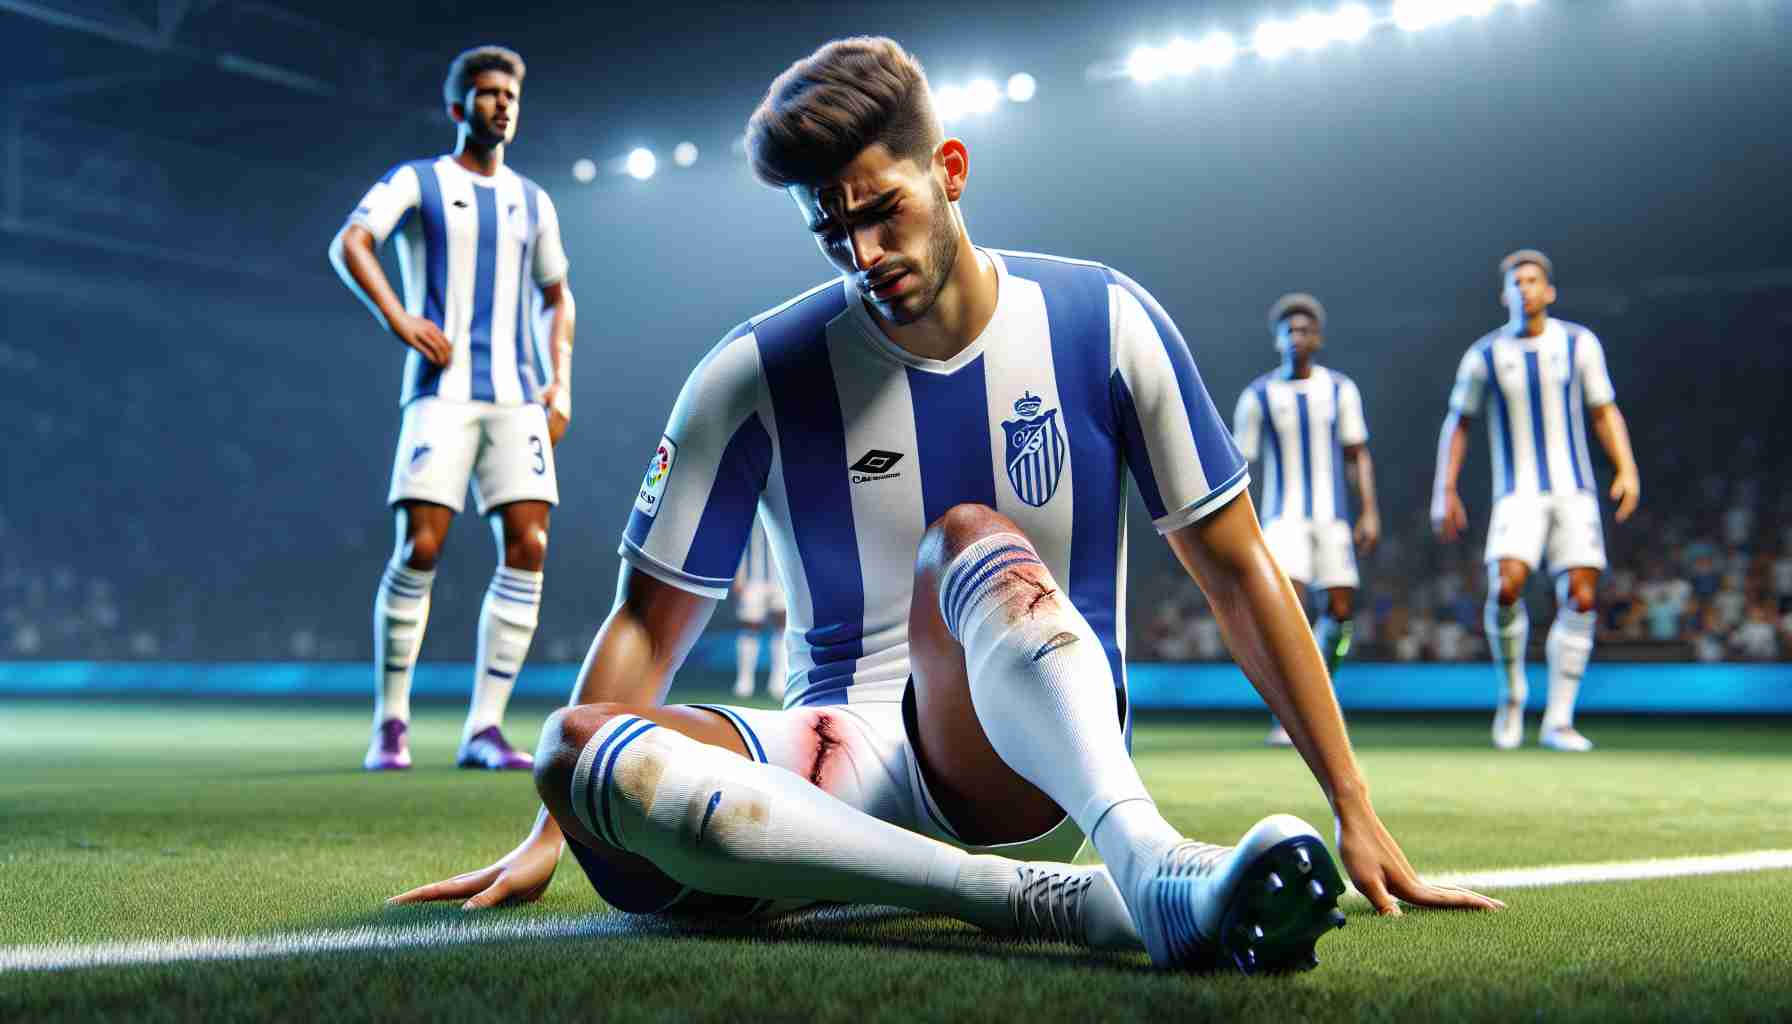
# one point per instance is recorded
(746, 659)
(1044, 693)
(506, 626)
(1508, 632)
(719, 823)
(780, 664)
(1569, 646)
(400, 612)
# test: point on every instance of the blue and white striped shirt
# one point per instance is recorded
(1307, 425)
(1540, 387)
(846, 446)
(475, 253)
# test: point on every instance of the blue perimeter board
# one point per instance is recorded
(1728, 688)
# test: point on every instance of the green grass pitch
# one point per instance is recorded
(141, 821)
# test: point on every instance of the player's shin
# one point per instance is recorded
(507, 623)
(719, 823)
(746, 659)
(1568, 648)
(1044, 694)
(400, 613)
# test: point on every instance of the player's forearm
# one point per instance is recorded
(1363, 472)
(359, 268)
(1452, 448)
(1614, 437)
(1260, 616)
(560, 335)
(642, 643)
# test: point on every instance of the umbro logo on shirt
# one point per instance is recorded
(875, 465)
(462, 203)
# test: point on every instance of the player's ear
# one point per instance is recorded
(457, 113)
(955, 162)
(1550, 295)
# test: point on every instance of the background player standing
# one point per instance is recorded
(1312, 419)
(1541, 372)
(482, 264)
(759, 603)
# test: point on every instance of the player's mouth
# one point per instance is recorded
(889, 285)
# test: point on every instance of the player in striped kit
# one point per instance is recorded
(938, 443)
(1538, 374)
(485, 293)
(1307, 422)
(759, 598)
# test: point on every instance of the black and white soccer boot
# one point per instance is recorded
(1260, 905)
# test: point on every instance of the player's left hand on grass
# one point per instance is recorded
(1368, 533)
(520, 876)
(558, 402)
(1627, 490)
(1381, 872)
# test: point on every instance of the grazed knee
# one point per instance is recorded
(563, 736)
(958, 528)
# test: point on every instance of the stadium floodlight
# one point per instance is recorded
(949, 103)
(641, 164)
(1351, 23)
(1310, 31)
(684, 154)
(982, 96)
(1147, 64)
(1273, 39)
(1022, 87)
(584, 171)
(1477, 8)
(1214, 50)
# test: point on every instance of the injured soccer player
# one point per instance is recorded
(936, 443)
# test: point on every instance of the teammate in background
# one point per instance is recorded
(936, 442)
(759, 603)
(1540, 373)
(482, 264)
(1313, 420)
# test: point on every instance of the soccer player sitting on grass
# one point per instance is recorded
(936, 442)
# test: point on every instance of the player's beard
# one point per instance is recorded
(942, 256)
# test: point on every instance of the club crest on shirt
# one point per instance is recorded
(1035, 451)
(653, 482)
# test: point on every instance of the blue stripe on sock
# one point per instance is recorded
(968, 595)
(955, 582)
(500, 673)
(609, 764)
(594, 781)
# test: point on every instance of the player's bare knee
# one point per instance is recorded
(1341, 603)
(958, 528)
(1581, 597)
(527, 549)
(563, 736)
(422, 549)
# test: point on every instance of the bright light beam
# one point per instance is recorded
(641, 164)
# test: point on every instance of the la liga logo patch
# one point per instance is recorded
(653, 483)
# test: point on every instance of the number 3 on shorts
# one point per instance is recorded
(541, 463)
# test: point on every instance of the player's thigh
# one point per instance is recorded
(1576, 536)
(985, 800)
(1290, 543)
(516, 462)
(437, 446)
(1334, 557)
(1517, 529)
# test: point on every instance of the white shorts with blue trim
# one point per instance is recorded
(1317, 554)
(503, 450)
(861, 754)
(1563, 529)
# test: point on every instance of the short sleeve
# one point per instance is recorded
(1589, 362)
(550, 255)
(1247, 424)
(1181, 455)
(1471, 384)
(1353, 427)
(695, 505)
(385, 205)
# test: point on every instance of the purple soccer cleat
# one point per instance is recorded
(389, 751)
(489, 749)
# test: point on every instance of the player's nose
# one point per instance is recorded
(867, 251)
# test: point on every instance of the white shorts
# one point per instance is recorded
(868, 762)
(1318, 554)
(502, 449)
(1563, 529)
(757, 600)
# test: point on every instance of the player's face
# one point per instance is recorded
(490, 108)
(1528, 291)
(1298, 336)
(888, 225)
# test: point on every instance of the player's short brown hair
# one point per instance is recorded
(467, 65)
(1517, 259)
(1292, 303)
(826, 108)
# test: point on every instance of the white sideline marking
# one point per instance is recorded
(369, 938)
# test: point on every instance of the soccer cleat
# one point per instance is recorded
(1508, 726)
(389, 751)
(1564, 738)
(1235, 902)
(489, 749)
(1061, 903)
(1278, 736)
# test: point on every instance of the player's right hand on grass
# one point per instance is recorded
(1380, 871)
(1451, 519)
(520, 876)
(422, 334)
